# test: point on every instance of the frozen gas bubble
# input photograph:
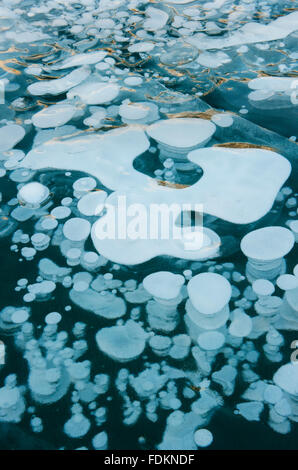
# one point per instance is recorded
(61, 212)
(133, 81)
(28, 253)
(144, 46)
(211, 340)
(90, 260)
(73, 256)
(49, 223)
(203, 438)
(40, 241)
(20, 316)
(53, 318)
(54, 116)
(122, 343)
(80, 286)
(263, 287)
(92, 203)
(133, 111)
(272, 394)
(66, 201)
(59, 85)
(293, 224)
(75, 60)
(33, 195)
(268, 243)
(160, 344)
(10, 135)
(209, 292)
(222, 120)
(287, 282)
(30, 297)
(76, 229)
(185, 133)
(100, 441)
(163, 284)
(286, 378)
(83, 186)
(95, 92)
(241, 324)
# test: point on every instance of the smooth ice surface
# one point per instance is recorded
(87, 58)
(182, 133)
(33, 194)
(10, 135)
(95, 92)
(250, 33)
(54, 116)
(59, 85)
(164, 285)
(268, 243)
(95, 154)
(209, 292)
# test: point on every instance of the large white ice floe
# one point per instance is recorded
(96, 154)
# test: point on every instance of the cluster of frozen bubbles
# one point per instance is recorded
(224, 311)
(183, 338)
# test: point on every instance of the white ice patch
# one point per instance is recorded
(59, 85)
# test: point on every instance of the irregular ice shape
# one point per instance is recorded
(59, 85)
(50, 271)
(157, 19)
(10, 135)
(226, 377)
(249, 33)
(134, 251)
(107, 306)
(239, 185)
(250, 411)
(241, 324)
(95, 154)
(54, 116)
